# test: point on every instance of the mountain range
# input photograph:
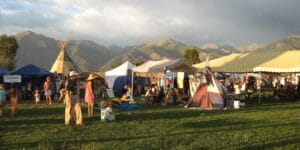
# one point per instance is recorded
(42, 51)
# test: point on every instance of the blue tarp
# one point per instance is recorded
(125, 106)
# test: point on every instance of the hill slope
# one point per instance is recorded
(152, 50)
(42, 51)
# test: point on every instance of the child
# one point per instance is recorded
(13, 92)
(2, 99)
(36, 95)
(107, 113)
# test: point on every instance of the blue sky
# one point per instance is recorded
(130, 22)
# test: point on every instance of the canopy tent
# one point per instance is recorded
(63, 64)
(218, 62)
(3, 71)
(177, 65)
(288, 61)
(143, 69)
(248, 61)
(118, 77)
(263, 61)
(32, 70)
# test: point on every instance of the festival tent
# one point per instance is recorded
(206, 95)
(118, 77)
(63, 63)
(3, 71)
(143, 69)
(31, 70)
(142, 74)
(218, 62)
(263, 61)
(246, 62)
(177, 65)
(288, 61)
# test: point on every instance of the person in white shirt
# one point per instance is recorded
(107, 113)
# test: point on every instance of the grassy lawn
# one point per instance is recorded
(266, 126)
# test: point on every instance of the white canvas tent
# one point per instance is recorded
(63, 63)
(118, 77)
(143, 69)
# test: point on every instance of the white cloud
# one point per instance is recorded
(133, 21)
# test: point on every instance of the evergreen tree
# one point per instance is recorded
(8, 51)
(191, 55)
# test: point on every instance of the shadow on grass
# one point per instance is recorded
(40, 112)
(222, 124)
(170, 114)
(33, 122)
(273, 107)
(69, 143)
(290, 143)
(217, 123)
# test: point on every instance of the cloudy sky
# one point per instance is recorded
(130, 22)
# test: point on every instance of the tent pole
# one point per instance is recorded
(132, 83)
(259, 88)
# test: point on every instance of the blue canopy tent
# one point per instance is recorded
(32, 71)
(2, 73)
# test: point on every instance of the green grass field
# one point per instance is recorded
(266, 126)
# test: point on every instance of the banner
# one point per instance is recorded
(180, 78)
(12, 78)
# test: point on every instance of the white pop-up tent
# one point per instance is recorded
(118, 77)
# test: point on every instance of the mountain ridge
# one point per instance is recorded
(89, 55)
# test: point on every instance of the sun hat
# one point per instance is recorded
(92, 76)
(73, 73)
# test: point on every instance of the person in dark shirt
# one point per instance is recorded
(73, 106)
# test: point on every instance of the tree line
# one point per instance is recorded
(8, 52)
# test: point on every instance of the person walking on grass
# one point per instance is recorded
(48, 88)
(89, 94)
(2, 99)
(73, 107)
(13, 93)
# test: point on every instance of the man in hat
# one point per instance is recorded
(73, 107)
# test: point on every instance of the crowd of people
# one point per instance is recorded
(69, 93)
(288, 86)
